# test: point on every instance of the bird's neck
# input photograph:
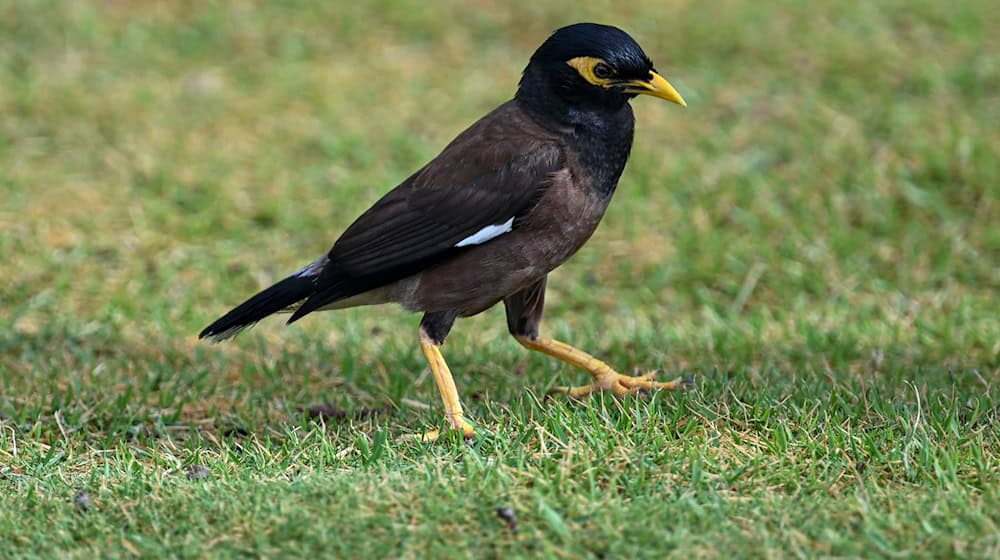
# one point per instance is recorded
(603, 142)
(601, 136)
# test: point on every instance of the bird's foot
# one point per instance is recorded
(459, 424)
(622, 385)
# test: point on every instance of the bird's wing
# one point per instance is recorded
(438, 210)
(477, 188)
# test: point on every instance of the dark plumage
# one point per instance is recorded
(506, 202)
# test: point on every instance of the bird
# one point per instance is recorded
(506, 202)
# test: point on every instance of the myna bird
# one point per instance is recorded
(505, 203)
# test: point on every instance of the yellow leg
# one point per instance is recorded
(605, 378)
(446, 385)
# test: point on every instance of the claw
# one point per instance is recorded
(605, 377)
(623, 385)
(431, 436)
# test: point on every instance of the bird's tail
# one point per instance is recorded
(279, 297)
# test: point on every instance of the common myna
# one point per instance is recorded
(502, 205)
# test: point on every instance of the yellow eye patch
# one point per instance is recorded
(585, 65)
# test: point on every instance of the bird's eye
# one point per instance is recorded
(602, 71)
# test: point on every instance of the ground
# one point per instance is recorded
(814, 240)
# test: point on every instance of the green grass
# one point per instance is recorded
(815, 239)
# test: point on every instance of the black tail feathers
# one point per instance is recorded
(278, 297)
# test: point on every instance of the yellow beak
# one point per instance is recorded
(657, 86)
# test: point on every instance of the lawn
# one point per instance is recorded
(815, 239)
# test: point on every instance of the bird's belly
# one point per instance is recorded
(483, 275)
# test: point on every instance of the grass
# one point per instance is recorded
(814, 239)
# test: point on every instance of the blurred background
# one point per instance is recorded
(829, 196)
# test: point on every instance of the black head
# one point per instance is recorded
(588, 66)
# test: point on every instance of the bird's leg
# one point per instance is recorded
(446, 385)
(434, 328)
(605, 378)
(524, 313)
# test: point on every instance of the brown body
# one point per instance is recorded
(480, 278)
(563, 218)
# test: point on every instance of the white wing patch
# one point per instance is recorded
(487, 233)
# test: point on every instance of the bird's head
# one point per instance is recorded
(588, 65)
